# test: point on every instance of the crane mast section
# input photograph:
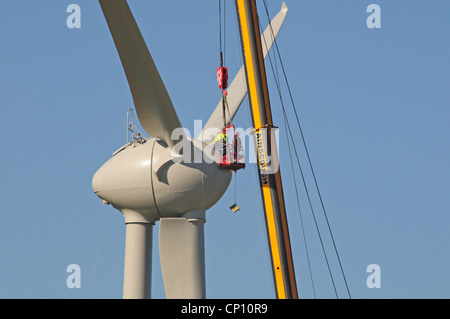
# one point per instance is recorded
(269, 173)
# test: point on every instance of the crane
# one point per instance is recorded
(269, 173)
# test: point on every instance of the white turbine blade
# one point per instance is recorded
(152, 102)
(138, 260)
(238, 87)
(182, 254)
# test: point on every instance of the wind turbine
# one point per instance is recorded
(149, 181)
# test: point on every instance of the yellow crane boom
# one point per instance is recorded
(270, 178)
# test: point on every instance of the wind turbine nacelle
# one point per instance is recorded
(144, 178)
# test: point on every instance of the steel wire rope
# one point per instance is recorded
(222, 53)
(307, 153)
(299, 208)
(303, 178)
(220, 26)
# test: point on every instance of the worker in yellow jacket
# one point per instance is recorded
(221, 141)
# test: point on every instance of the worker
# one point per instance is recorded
(221, 142)
(220, 137)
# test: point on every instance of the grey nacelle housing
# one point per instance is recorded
(144, 178)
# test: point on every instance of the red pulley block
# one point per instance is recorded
(222, 77)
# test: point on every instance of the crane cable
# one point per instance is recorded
(309, 159)
(288, 129)
(299, 207)
(306, 149)
(222, 60)
(222, 72)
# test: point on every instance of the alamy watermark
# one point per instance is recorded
(374, 19)
(74, 279)
(74, 19)
(374, 279)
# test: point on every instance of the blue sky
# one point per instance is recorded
(373, 104)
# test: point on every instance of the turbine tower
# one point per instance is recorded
(149, 181)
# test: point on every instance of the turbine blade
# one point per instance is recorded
(138, 260)
(151, 100)
(238, 87)
(182, 254)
